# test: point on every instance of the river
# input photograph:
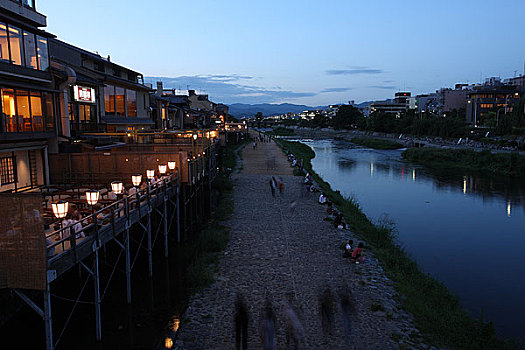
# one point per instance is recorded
(467, 231)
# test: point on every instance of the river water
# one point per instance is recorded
(467, 231)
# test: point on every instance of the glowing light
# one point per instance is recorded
(508, 209)
(136, 180)
(414, 175)
(168, 343)
(150, 173)
(92, 197)
(176, 323)
(371, 169)
(116, 187)
(60, 208)
(162, 169)
(171, 165)
(464, 185)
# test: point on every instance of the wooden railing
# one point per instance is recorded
(70, 244)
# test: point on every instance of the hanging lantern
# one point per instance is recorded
(92, 197)
(136, 180)
(150, 173)
(162, 169)
(60, 209)
(116, 187)
(195, 136)
(171, 165)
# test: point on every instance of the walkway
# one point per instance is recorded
(293, 260)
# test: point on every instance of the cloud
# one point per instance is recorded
(228, 88)
(384, 87)
(356, 70)
(336, 89)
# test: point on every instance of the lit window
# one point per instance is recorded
(131, 103)
(7, 171)
(15, 43)
(30, 50)
(43, 55)
(4, 45)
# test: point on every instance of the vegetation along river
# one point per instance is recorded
(465, 230)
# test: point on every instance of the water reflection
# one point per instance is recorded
(450, 222)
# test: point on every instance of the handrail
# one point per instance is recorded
(90, 224)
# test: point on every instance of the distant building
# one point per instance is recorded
(491, 96)
(403, 101)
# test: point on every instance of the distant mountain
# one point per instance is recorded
(248, 110)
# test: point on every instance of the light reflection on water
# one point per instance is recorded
(467, 231)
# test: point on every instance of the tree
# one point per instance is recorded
(348, 117)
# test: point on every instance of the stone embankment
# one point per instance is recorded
(407, 140)
(287, 258)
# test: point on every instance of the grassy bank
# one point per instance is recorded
(376, 143)
(510, 164)
(280, 131)
(438, 313)
(201, 254)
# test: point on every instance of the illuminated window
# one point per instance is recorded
(9, 110)
(43, 55)
(16, 47)
(109, 99)
(131, 102)
(486, 105)
(7, 170)
(47, 97)
(30, 50)
(4, 45)
(120, 101)
(23, 116)
(37, 117)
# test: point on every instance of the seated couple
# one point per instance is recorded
(357, 254)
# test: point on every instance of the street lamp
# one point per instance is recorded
(116, 187)
(60, 208)
(171, 165)
(150, 174)
(92, 197)
(162, 169)
(136, 180)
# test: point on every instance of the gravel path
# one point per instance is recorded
(292, 261)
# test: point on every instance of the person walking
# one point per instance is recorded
(273, 186)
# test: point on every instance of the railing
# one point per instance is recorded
(69, 238)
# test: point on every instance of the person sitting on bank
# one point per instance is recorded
(322, 198)
(357, 254)
(338, 221)
(348, 249)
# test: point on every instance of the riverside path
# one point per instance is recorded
(290, 261)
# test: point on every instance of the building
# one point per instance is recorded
(168, 108)
(98, 95)
(492, 97)
(28, 125)
(402, 102)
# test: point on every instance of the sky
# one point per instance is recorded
(303, 52)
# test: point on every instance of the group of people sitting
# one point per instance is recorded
(309, 185)
(355, 255)
(293, 160)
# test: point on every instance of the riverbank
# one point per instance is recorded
(290, 258)
(438, 313)
(406, 140)
(508, 164)
(376, 143)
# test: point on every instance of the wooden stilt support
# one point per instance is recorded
(165, 221)
(96, 279)
(150, 249)
(128, 267)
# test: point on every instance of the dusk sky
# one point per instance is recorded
(304, 52)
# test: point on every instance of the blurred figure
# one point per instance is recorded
(294, 327)
(241, 324)
(268, 328)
